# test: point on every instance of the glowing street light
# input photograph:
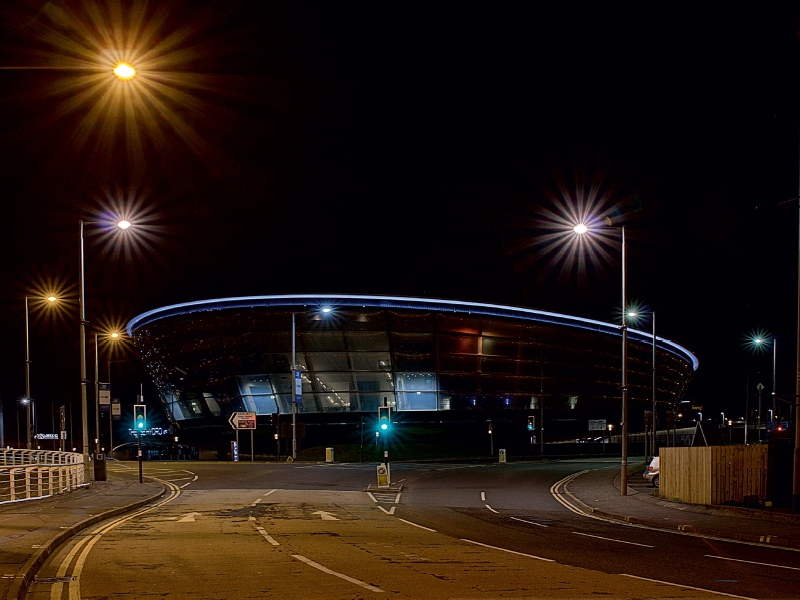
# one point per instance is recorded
(122, 224)
(582, 229)
(27, 400)
(124, 71)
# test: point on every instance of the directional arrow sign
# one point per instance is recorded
(325, 516)
(243, 420)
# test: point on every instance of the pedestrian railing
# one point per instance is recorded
(32, 474)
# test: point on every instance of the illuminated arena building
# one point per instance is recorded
(431, 360)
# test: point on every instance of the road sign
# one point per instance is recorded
(597, 425)
(116, 409)
(243, 420)
(104, 394)
(298, 386)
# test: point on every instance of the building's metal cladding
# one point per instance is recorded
(421, 356)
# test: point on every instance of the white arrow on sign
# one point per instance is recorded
(325, 516)
(188, 518)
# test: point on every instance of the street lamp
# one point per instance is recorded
(633, 314)
(26, 402)
(121, 224)
(583, 229)
(762, 342)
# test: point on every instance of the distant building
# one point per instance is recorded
(426, 358)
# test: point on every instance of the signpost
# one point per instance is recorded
(243, 420)
(104, 398)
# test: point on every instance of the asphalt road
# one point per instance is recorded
(454, 531)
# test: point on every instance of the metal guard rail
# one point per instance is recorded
(32, 474)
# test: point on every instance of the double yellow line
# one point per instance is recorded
(84, 546)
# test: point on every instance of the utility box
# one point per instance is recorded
(502, 456)
(328, 455)
(99, 466)
(383, 475)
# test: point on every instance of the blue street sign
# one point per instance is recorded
(298, 386)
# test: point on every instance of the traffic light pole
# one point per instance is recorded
(139, 436)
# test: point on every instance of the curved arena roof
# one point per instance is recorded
(401, 302)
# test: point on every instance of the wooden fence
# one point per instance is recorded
(713, 474)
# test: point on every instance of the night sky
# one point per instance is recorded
(398, 149)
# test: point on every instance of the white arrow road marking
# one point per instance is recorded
(388, 512)
(483, 496)
(491, 509)
(189, 517)
(325, 516)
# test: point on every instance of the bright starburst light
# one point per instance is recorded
(573, 229)
(758, 341)
(124, 71)
(126, 75)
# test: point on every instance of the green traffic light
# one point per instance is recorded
(384, 426)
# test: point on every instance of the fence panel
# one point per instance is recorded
(31, 474)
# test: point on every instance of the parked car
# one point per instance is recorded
(651, 472)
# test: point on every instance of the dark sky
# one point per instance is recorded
(403, 149)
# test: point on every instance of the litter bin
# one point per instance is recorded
(99, 466)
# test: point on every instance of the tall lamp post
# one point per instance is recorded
(29, 402)
(122, 224)
(633, 314)
(582, 229)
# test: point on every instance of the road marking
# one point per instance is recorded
(92, 539)
(189, 517)
(397, 500)
(688, 587)
(560, 497)
(750, 562)
(267, 536)
(269, 492)
(507, 550)
(529, 522)
(611, 539)
(256, 502)
(325, 516)
(318, 566)
(372, 497)
(185, 484)
(415, 525)
(491, 509)
(388, 512)
(483, 496)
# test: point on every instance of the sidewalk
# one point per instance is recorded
(30, 531)
(598, 492)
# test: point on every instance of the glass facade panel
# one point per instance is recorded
(458, 344)
(499, 347)
(367, 341)
(414, 362)
(320, 341)
(416, 391)
(454, 363)
(413, 343)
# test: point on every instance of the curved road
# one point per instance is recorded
(455, 530)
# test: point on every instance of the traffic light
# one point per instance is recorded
(139, 417)
(531, 423)
(384, 418)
